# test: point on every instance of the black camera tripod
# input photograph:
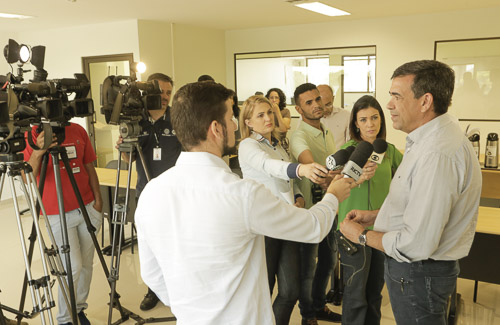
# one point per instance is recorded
(55, 153)
(119, 219)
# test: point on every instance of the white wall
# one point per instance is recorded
(398, 40)
(198, 51)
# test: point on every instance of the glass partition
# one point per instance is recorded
(349, 71)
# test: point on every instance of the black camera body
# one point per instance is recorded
(125, 102)
(41, 102)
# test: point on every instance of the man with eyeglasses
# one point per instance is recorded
(335, 119)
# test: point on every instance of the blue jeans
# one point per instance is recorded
(282, 257)
(314, 276)
(81, 255)
(363, 282)
(419, 291)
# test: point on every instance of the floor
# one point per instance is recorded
(131, 288)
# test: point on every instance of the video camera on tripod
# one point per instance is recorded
(125, 101)
(41, 102)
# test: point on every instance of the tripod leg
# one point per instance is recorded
(43, 173)
(35, 294)
(115, 302)
(45, 281)
(65, 249)
(118, 221)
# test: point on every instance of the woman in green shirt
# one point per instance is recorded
(363, 270)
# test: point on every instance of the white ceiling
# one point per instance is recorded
(219, 14)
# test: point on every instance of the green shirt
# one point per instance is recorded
(371, 194)
(321, 145)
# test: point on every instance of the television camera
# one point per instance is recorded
(49, 104)
(125, 101)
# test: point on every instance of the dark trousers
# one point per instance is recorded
(363, 283)
(283, 263)
(314, 276)
(419, 291)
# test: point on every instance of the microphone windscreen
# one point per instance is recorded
(361, 154)
(350, 150)
(337, 159)
(379, 145)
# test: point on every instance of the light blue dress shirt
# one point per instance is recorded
(432, 207)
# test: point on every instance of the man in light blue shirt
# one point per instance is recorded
(429, 218)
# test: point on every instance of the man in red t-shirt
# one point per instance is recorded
(81, 157)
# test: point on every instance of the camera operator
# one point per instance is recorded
(81, 157)
(160, 148)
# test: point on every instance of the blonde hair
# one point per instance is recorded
(247, 112)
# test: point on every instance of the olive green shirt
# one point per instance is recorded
(371, 194)
(321, 145)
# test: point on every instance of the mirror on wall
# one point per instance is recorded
(350, 71)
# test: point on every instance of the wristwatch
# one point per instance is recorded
(362, 237)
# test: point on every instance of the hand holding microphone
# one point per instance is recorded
(314, 171)
(340, 187)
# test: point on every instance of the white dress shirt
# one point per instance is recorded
(201, 233)
(432, 206)
(338, 124)
(268, 164)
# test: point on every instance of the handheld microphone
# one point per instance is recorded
(379, 149)
(337, 160)
(354, 167)
(350, 150)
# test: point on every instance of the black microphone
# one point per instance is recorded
(354, 167)
(350, 150)
(337, 160)
(379, 149)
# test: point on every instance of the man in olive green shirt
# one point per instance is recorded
(313, 142)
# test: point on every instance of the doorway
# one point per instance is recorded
(102, 135)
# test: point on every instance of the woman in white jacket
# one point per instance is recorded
(263, 159)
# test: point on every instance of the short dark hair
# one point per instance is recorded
(302, 89)
(362, 103)
(281, 95)
(433, 77)
(161, 77)
(195, 107)
(205, 77)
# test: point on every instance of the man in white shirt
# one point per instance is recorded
(335, 119)
(428, 220)
(201, 228)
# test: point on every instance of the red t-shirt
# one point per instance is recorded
(80, 152)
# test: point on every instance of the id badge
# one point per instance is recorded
(157, 154)
(71, 152)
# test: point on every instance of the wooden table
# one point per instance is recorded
(107, 177)
(483, 262)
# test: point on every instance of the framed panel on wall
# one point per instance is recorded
(476, 98)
